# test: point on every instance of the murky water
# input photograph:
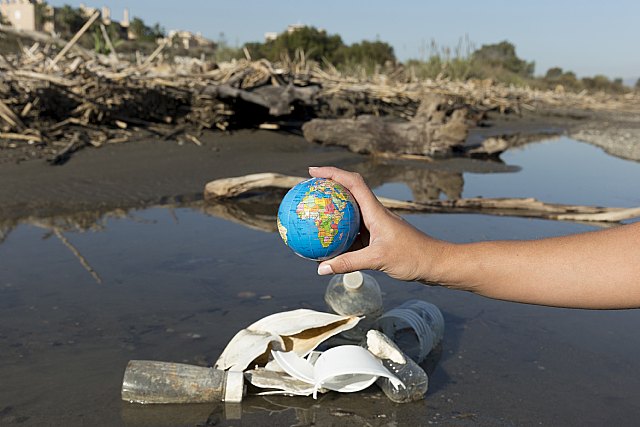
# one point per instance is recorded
(176, 283)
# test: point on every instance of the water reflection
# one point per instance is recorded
(428, 180)
(327, 410)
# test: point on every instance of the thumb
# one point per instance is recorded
(346, 263)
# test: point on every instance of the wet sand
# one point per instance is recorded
(151, 172)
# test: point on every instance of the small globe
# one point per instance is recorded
(318, 219)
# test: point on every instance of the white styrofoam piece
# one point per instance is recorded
(346, 368)
(294, 365)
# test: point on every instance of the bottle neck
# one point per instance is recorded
(353, 281)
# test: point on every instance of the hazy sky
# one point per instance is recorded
(588, 37)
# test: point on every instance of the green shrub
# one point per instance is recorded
(319, 46)
(503, 56)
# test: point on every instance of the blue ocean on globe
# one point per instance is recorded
(318, 219)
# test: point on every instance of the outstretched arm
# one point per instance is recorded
(599, 269)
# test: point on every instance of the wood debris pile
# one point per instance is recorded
(55, 101)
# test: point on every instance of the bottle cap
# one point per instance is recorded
(353, 280)
(234, 387)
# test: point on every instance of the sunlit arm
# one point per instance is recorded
(599, 269)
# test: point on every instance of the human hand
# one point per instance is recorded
(597, 269)
(387, 242)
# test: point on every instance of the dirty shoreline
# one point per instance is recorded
(177, 281)
(156, 172)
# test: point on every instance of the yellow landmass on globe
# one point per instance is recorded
(326, 212)
(282, 230)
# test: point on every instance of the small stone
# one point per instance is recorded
(246, 294)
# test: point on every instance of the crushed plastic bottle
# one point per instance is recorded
(355, 294)
(415, 326)
(414, 378)
(149, 381)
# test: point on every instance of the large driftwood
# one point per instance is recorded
(74, 40)
(438, 129)
(45, 38)
(232, 187)
(228, 188)
(58, 94)
(278, 100)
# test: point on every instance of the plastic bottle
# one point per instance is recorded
(415, 326)
(355, 294)
(148, 381)
(414, 378)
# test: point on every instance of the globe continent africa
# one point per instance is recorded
(318, 219)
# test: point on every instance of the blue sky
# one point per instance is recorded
(587, 37)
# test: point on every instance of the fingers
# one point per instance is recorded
(369, 204)
(348, 262)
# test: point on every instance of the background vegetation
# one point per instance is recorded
(498, 62)
(322, 47)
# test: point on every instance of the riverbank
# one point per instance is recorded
(155, 172)
(178, 282)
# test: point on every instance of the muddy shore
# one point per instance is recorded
(177, 283)
(147, 173)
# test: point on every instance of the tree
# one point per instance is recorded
(68, 20)
(597, 82)
(553, 73)
(42, 15)
(367, 52)
(503, 55)
(556, 76)
(145, 33)
(637, 86)
(318, 45)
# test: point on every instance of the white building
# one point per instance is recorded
(21, 14)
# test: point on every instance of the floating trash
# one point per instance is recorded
(299, 331)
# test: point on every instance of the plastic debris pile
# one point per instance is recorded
(279, 353)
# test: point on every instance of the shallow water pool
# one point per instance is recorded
(176, 283)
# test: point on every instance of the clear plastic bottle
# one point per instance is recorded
(355, 294)
(414, 378)
(415, 326)
(148, 381)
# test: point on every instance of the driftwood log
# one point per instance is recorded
(55, 91)
(278, 100)
(438, 129)
(222, 190)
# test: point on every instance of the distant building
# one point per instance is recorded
(125, 19)
(105, 14)
(291, 28)
(188, 40)
(22, 15)
(87, 11)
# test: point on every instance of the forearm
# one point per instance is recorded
(590, 270)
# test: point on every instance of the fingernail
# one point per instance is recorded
(313, 167)
(325, 269)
